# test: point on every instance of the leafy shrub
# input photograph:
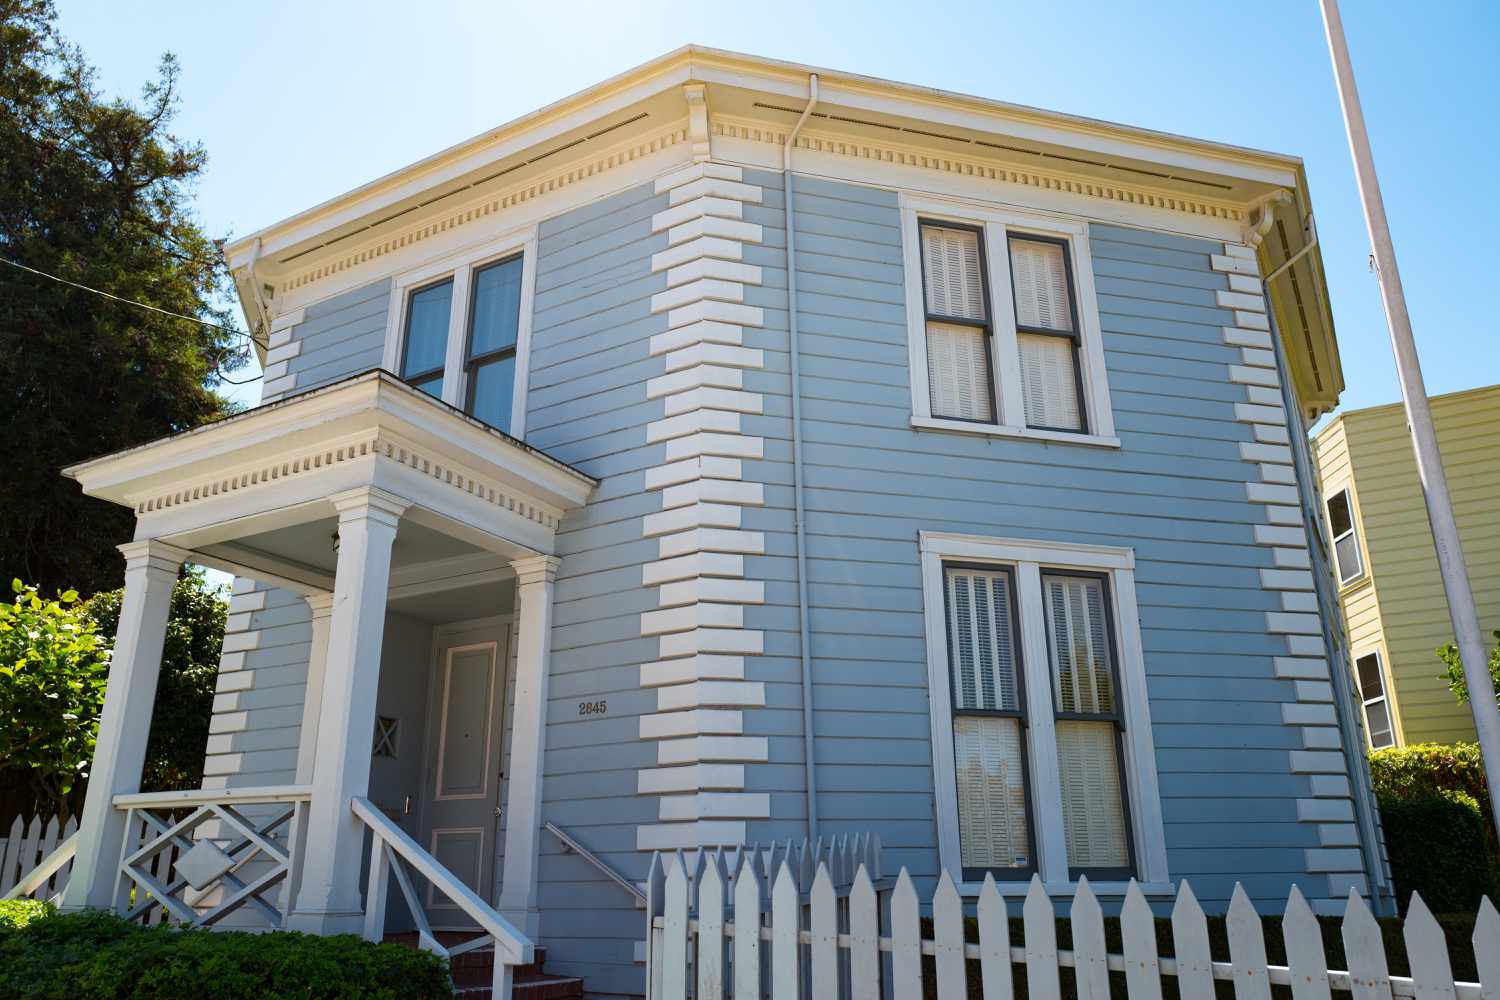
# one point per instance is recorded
(98, 956)
(1438, 846)
(1453, 669)
(17, 913)
(1427, 770)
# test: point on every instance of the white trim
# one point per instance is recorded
(1028, 557)
(460, 267)
(997, 223)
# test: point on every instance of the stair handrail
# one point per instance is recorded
(388, 842)
(594, 860)
(51, 864)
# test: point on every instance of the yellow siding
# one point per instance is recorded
(1412, 614)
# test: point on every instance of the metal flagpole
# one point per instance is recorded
(1419, 417)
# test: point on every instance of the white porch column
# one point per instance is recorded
(528, 742)
(151, 569)
(328, 901)
(321, 607)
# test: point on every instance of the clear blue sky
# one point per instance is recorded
(298, 102)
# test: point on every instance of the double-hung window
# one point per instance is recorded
(1003, 325)
(1039, 704)
(1378, 727)
(1346, 554)
(461, 330)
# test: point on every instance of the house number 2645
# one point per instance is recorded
(593, 707)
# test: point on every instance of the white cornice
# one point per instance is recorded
(985, 168)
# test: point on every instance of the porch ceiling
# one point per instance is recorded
(260, 482)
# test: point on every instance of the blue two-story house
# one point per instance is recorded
(738, 451)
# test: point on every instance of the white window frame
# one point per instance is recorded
(461, 267)
(1027, 559)
(997, 225)
(1333, 540)
(1385, 695)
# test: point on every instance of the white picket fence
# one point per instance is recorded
(710, 936)
(28, 844)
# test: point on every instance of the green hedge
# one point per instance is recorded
(1423, 770)
(98, 956)
(17, 913)
(1438, 846)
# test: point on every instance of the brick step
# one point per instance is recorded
(538, 988)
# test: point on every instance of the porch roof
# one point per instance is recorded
(279, 465)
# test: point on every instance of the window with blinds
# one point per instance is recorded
(490, 361)
(959, 373)
(1378, 727)
(988, 720)
(425, 343)
(1046, 333)
(1088, 721)
(1345, 539)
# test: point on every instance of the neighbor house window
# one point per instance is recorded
(1046, 724)
(464, 331)
(1371, 679)
(1345, 538)
(1003, 325)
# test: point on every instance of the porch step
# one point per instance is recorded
(472, 972)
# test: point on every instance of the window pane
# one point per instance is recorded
(1371, 684)
(1039, 274)
(432, 386)
(1093, 812)
(1049, 382)
(958, 372)
(1378, 724)
(992, 829)
(1346, 550)
(1078, 634)
(981, 640)
(492, 387)
(497, 307)
(1339, 520)
(953, 277)
(427, 329)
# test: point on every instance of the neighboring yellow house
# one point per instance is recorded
(1389, 588)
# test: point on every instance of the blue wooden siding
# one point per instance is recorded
(587, 405)
(1174, 491)
(341, 336)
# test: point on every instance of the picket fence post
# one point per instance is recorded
(30, 843)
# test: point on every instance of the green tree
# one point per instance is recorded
(53, 670)
(96, 191)
(1454, 670)
(185, 687)
(54, 666)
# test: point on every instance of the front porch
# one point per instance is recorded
(403, 525)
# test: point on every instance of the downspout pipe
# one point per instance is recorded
(799, 526)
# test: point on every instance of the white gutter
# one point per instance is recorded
(1312, 241)
(796, 377)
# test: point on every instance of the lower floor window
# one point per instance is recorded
(1378, 727)
(1039, 722)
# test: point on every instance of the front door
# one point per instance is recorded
(461, 812)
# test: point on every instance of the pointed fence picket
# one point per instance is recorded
(27, 845)
(810, 923)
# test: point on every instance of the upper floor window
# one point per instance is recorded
(1378, 727)
(1044, 757)
(1346, 553)
(463, 333)
(1003, 325)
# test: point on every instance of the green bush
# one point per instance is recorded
(98, 956)
(17, 913)
(1423, 770)
(1438, 846)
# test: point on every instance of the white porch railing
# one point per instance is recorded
(37, 857)
(194, 857)
(709, 937)
(389, 847)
